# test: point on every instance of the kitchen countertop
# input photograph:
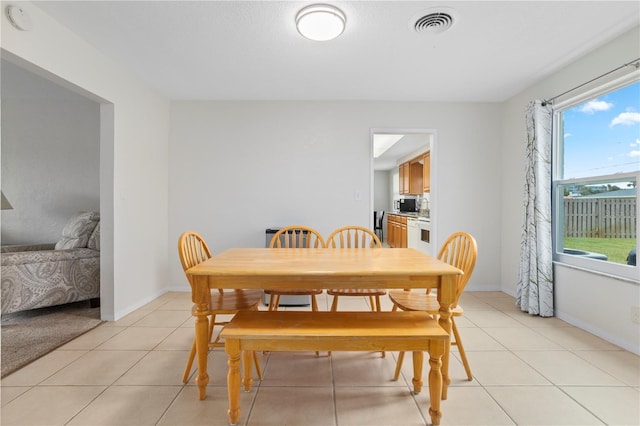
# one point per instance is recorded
(410, 215)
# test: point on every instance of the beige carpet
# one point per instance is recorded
(26, 336)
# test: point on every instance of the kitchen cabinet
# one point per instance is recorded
(405, 175)
(426, 172)
(415, 179)
(411, 177)
(397, 231)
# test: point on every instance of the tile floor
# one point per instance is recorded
(527, 371)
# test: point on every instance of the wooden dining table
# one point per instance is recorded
(261, 268)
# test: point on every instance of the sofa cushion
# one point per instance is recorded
(94, 239)
(77, 231)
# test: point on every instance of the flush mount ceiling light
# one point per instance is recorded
(320, 22)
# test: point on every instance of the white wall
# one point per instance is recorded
(133, 156)
(50, 156)
(394, 187)
(381, 190)
(578, 295)
(381, 194)
(237, 168)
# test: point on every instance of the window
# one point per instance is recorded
(596, 169)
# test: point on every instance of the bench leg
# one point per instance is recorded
(436, 351)
(418, 359)
(232, 347)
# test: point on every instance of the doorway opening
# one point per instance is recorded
(42, 201)
(390, 148)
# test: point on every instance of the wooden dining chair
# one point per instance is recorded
(295, 237)
(355, 237)
(460, 250)
(193, 250)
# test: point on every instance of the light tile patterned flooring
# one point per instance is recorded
(527, 371)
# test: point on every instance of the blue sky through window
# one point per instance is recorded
(602, 136)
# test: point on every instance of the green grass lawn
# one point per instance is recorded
(616, 249)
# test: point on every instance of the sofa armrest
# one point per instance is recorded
(28, 247)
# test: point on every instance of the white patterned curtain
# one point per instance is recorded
(534, 293)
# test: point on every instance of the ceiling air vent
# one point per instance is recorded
(434, 22)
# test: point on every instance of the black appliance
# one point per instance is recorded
(408, 205)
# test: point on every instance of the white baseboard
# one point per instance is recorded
(180, 288)
(126, 311)
(598, 332)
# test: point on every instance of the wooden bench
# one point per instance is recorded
(252, 331)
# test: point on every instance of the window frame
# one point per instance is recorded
(615, 270)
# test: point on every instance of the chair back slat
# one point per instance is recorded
(353, 237)
(297, 236)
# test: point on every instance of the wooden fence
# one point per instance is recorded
(600, 217)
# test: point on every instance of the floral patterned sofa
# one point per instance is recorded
(35, 276)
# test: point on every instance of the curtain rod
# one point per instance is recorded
(635, 63)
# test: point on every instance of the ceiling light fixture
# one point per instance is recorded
(320, 22)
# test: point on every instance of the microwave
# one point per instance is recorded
(407, 205)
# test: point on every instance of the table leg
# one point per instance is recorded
(202, 349)
(446, 297)
(436, 385)
(418, 359)
(247, 366)
(232, 347)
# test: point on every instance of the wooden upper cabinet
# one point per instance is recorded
(411, 176)
(404, 179)
(415, 180)
(426, 172)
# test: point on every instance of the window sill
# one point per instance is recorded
(601, 273)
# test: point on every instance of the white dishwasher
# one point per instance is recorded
(413, 233)
(424, 236)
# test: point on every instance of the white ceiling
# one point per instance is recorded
(407, 147)
(241, 50)
(18, 83)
